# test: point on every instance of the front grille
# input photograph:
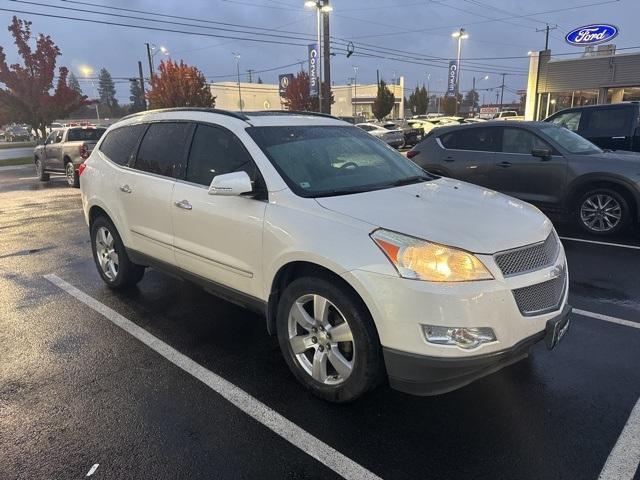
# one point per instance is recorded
(541, 297)
(526, 259)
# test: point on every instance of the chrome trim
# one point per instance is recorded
(226, 266)
(164, 244)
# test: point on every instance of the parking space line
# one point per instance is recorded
(606, 318)
(624, 459)
(596, 242)
(268, 417)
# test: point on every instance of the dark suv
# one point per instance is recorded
(613, 127)
(543, 164)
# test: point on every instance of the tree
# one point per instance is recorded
(297, 96)
(106, 89)
(384, 101)
(448, 104)
(136, 96)
(179, 85)
(26, 96)
(471, 100)
(260, 80)
(74, 84)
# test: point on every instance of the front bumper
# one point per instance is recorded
(425, 375)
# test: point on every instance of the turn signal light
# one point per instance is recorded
(81, 168)
(412, 153)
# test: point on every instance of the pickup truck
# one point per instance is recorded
(508, 115)
(611, 127)
(64, 150)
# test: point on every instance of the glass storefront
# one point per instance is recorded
(623, 94)
(552, 102)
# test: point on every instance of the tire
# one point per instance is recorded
(603, 211)
(73, 180)
(110, 256)
(358, 356)
(40, 173)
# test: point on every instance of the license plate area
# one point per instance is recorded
(556, 330)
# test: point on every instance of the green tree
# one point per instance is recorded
(471, 100)
(384, 101)
(106, 89)
(448, 104)
(136, 96)
(74, 84)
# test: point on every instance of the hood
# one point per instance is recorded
(448, 212)
(623, 155)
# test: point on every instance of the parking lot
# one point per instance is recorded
(167, 381)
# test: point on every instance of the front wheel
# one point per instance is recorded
(40, 173)
(110, 256)
(603, 212)
(328, 339)
(73, 180)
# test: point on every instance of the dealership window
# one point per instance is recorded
(623, 94)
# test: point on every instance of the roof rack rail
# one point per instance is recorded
(292, 112)
(229, 113)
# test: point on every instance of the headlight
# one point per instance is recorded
(422, 260)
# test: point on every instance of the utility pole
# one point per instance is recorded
(150, 60)
(327, 55)
(355, 90)
(144, 100)
(473, 98)
(250, 74)
(546, 29)
(502, 91)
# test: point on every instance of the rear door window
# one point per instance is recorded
(85, 134)
(120, 144)
(608, 122)
(477, 139)
(569, 120)
(216, 151)
(163, 148)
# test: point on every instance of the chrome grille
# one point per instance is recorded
(541, 297)
(526, 259)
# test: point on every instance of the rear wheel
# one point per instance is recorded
(73, 180)
(328, 339)
(40, 173)
(603, 212)
(110, 256)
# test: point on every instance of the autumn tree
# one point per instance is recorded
(448, 103)
(297, 96)
(384, 101)
(179, 85)
(25, 89)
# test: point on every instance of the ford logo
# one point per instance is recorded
(591, 34)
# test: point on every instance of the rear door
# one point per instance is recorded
(609, 127)
(569, 119)
(219, 237)
(520, 174)
(470, 154)
(146, 189)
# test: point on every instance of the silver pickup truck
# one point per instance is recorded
(64, 150)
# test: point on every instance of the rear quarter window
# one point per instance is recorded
(120, 144)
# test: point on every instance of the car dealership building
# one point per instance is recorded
(598, 76)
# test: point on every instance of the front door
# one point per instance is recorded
(53, 151)
(218, 237)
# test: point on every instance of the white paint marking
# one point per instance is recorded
(607, 318)
(93, 469)
(596, 242)
(624, 459)
(288, 430)
(27, 178)
(15, 167)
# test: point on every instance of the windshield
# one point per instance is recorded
(85, 134)
(571, 142)
(325, 161)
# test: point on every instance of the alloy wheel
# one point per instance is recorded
(70, 172)
(106, 253)
(321, 339)
(600, 212)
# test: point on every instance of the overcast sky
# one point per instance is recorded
(419, 30)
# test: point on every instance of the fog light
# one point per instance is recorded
(463, 337)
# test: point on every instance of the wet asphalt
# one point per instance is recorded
(75, 390)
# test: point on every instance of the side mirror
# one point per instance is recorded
(231, 184)
(542, 153)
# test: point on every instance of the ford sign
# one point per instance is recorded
(591, 34)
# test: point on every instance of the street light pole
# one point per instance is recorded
(355, 90)
(322, 7)
(237, 57)
(460, 35)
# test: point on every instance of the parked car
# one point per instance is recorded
(16, 133)
(508, 115)
(64, 150)
(394, 137)
(363, 264)
(543, 164)
(412, 135)
(353, 120)
(612, 127)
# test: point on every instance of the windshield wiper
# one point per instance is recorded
(410, 180)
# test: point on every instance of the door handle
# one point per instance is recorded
(125, 188)
(449, 159)
(184, 204)
(618, 138)
(504, 164)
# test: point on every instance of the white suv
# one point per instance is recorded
(364, 265)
